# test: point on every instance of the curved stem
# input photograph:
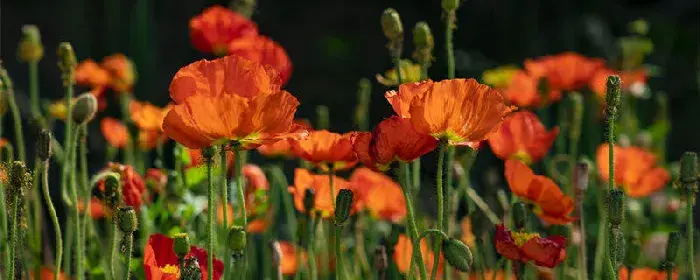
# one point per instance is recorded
(210, 219)
(79, 251)
(417, 256)
(52, 214)
(129, 244)
(441, 207)
(17, 120)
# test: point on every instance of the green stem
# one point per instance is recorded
(689, 230)
(34, 88)
(311, 246)
(79, 251)
(224, 191)
(86, 191)
(17, 119)
(113, 250)
(601, 242)
(441, 207)
(52, 214)
(68, 142)
(3, 229)
(448, 186)
(13, 238)
(339, 269)
(37, 217)
(240, 186)
(411, 222)
(449, 48)
(415, 173)
(129, 244)
(68, 245)
(611, 183)
(210, 219)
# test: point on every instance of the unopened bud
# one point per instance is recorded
(236, 239)
(5, 82)
(85, 108)
(181, 245)
(612, 96)
(112, 189)
(689, 168)
(617, 245)
(519, 215)
(43, 145)
(127, 220)
(674, 242)
(244, 7)
(66, 61)
(343, 204)
(457, 254)
(30, 48)
(616, 206)
(391, 25)
(450, 5)
(423, 37)
(208, 153)
(309, 200)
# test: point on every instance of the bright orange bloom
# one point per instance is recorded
(229, 99)
(522, 136)
(97, 209)
(524, 91)
(403, 251)
(216, 27)
(116, 133)
(146, 116)
(161, 263)
(283, 148)
(149, 139)
(460, 110)
(47, 273)
(635, 170)
(133, 187)
(645, 273)
(393, 139)
(289, 258)
(525, 247)
(552, 205)
(265, 51)
(326, 149)
(121, 69)
(379, 194)
(566, 71)
(89, 73)
(629, 79)
(303, 180)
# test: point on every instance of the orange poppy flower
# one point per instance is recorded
(379, 194)
(265, 51)
(460, 110)
(645, 273)
(326, 149)
(97, 209)
(289, 258)
(303, 179)
(403, 251)
(122, 71)
(467, 233)
(524, 91)
(635, 170)
(146, 116)
(566, 71)
(552, 205)
(149, 139)
(47, 273)
(522, 136)
(394, 138)
(216, 27)
(89, 73)
(629, 79)
(3, 142)
(283, 148)
(161, 263)
(229, 99)
(116, 133)
(133, 187)
(525, 247)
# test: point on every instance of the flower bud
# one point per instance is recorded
(43, 145)
(181, 245)
(423, 37)
(30, 48)
(309, 200)
(208, 153)
(617, 245)
(127, 220)
(236, 239)
(343, 204)
(391, 25)
(66, 61)
(612, 96)
(112, 188)
(689, 168)
(450, 5)
(616, 206)
(674, 241)
(457, 254)
(519, 215)
(84, 108)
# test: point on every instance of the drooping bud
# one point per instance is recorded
(309, 200)
(66, 62)
(450, 5)
(343, 204)
(674, 241)
(391, 25)
(84, 108)
(181, 245)
(617, 245)
(616, 206)
(236, 239)
(612, 96)
(457, 254)
(112, 190)
(689, 171)
(519, 215)
(127, 220)
(30, 48)
(43, 145)
(322, 117)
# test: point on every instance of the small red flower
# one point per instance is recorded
(522, 136)
(525, 247)
(161, 263)
(214, 29)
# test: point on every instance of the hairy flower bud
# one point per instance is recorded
(43, 145)
(127, 220)
(391, 25)
(181, 245)
(236, 239)
(66, 62)
(85, 108)
(616, 242)
(616, 206)
(612, 96)
(519, 215)
(343, 204)
(30, 48)
(457, 254)
(309, 200)
(450, 5)
(20, 180)
(674, 241)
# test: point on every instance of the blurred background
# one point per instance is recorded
(334, 43)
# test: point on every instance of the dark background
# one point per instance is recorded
(334, 43)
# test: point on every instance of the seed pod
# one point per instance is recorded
(30, 48)
(85, 108)
(181, 245)
(458, 254)
(519, 215)
(191, 270)
(343, 204)
(391, 25)
(43, 145)
(450, 5)
(674, 241)
(127, 220)
(612, 96)
(309, 200)
(616, 206)
(236, 239)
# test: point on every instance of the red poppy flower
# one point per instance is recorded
(289, 258)
(122, 71)
(460, 110)
(645, 273)
(525, 247)
(229, 99)
(552, 205)
(636, 170)
(146, 116)
(629, 80)
(133, 187)
(379, 194)
(524, 91)
(303, 179)
(214, 29)
(326, 149)
(566, 71)
(161, 263)
(47, 273)
(116, 133)
(393, 139)
(522, 136)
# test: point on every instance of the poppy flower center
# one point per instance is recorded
(521, 237)
(170, 269)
